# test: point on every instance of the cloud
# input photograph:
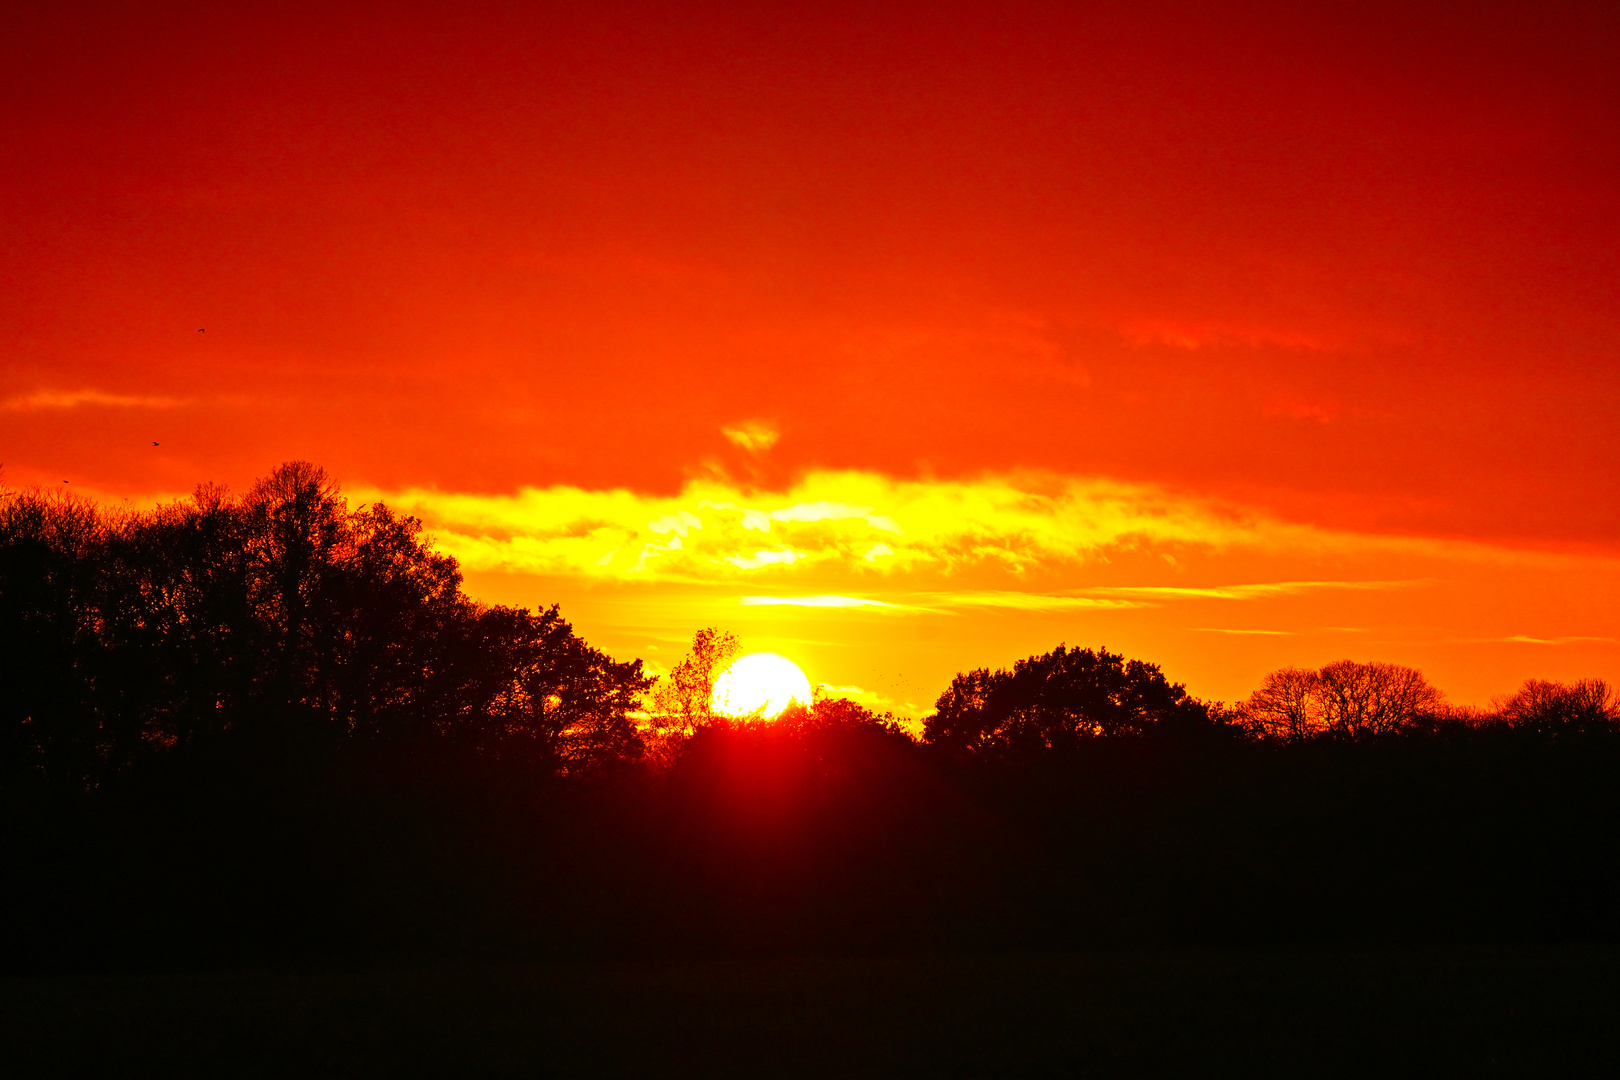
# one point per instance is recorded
(71, 399)
(823, 601)
(1113, 598)
(860, 521)
(1190, 335)
(1300, 408)
(1024, 601)
(834, 525)
(754, 436)
(1223, 630)
(1263, 590)
(783, 556)
(1527, 640)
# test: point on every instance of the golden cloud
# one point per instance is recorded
(823, 601)
(1257, 591)
(1023, 601)
(860, 521)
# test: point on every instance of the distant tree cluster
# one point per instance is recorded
(1058, 702)
(1350, 700)
(1343, 698)
(277, 619)
(1583, 707)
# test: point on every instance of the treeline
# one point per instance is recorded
(1069, 698)
(241, 730)
(276, 623)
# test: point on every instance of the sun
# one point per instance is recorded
(760, 683)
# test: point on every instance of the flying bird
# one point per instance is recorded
(200, 329)
(154, 444)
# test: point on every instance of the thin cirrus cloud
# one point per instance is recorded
(1016, 600)
(1241, 633)
(821, 601)
(861, 522)
(1257, 591)
(948, 602)
(41, 400)
(1072, 600)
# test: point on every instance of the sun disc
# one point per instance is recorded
(763, 683)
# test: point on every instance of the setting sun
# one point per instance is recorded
(762, 683)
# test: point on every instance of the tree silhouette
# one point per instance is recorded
(1288, 705)
(1345, 699)
(1555, 709)
(281, 622)
(1373, 698)
(1056, 702)
(683, 700)
(50, 723)
(562, 706)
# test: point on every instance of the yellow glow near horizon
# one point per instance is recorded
(760, 683)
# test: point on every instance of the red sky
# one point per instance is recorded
(1347, 274)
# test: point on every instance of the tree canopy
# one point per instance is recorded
(278, 619)
(1057, 702)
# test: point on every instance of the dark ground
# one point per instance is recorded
(1525, 1011)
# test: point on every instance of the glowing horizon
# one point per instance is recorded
(902, 342)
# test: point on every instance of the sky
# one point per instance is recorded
(900, 339)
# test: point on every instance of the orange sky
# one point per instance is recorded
(1107, 317)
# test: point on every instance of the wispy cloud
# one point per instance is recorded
(1112, 598)
(1528, 640)
(72, 399)
(1258, 591)
(1224, 630)
(755, 436)
(1183, 334)
(1022, 601)
(814, 601)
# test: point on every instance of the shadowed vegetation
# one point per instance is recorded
(246, 730)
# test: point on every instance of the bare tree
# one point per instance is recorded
(1373, 698)
(1344, 697)
(1553, 706)
(1288, 705)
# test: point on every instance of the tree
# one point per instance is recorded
(50, 724)
(283, 622)
(1287, 706)
(564, 707)
(1344, 698)
(1559, 708)
(1373, 698)
(298, 525)
(399, 613)
(683, 699)
(1056, 702)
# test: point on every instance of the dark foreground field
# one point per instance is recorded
(1499, 1012)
